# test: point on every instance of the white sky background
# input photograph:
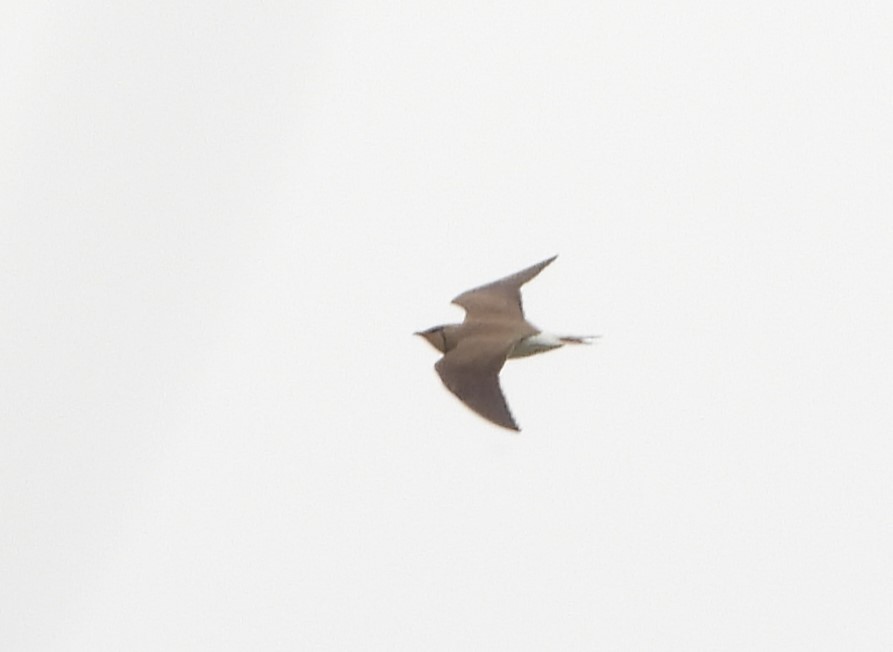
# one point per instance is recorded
(222, 222)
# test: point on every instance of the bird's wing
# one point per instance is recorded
(502, 298)
(471, 372)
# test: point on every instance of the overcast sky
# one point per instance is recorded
(222, 222)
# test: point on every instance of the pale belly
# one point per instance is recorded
(534, 344)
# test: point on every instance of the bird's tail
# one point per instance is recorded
(578, 339)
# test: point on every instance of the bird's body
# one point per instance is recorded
(493, 331)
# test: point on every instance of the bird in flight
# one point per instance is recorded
(493, 331)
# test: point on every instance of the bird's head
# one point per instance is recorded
(436, 337)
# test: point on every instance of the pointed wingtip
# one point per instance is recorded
(548, 261)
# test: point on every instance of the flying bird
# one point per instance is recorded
(493, 331)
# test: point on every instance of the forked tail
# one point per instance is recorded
(578, 339)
